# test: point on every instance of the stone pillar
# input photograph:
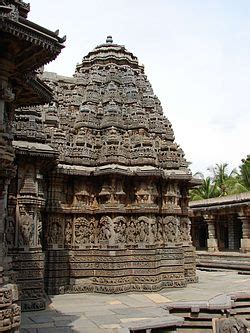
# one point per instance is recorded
(245, 241)
(231, 233)
(212, 242)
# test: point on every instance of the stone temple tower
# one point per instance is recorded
(114, 182)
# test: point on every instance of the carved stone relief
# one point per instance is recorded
(68, 237)
(171, 229)
(55, 231)
(185, 228)
(112, 190)
(230, 325)
(26, 227)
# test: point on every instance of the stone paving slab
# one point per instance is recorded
(157, 298)
(95, 313)
(56, 330)
(107, 320)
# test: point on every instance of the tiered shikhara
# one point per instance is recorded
(100, 202)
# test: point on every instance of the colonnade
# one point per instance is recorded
(222, 224)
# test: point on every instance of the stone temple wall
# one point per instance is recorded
(104, 242)
(101, 193)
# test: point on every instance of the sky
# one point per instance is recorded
(196, 55)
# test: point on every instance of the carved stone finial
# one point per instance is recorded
(109, 40)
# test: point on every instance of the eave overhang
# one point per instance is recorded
(30, 90)
(34, 149)
(35, 45)
(146, 171)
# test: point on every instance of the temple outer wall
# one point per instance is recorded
(8, 290)
(95, 244)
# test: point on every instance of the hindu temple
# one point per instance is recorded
(100, 198)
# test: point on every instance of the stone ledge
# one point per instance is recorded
(150, 323)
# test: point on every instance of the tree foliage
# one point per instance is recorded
(245, 172)
(206, 190)
(223, 182)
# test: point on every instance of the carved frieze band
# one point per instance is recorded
(82, 231)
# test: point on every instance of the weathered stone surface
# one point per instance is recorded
(24, 47)
(102, 188)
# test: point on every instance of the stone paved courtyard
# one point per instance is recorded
(95, 313)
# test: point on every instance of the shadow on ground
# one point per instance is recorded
(49, 321)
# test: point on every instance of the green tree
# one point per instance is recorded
(245, 173)
(227, 181)
(223, 182)
(205, 191)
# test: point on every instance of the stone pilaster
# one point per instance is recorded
(245, 241)
(26, 208)
(212, 242)
(10, 313)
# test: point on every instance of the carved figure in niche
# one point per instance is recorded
(185, 229)
(55, 232)
(171, 229)
(120, 224)
(84, 231)
(142, 230)
(68, 231)
(10, 231)
(81, 231)
(131, 232)
(26, 228)
(54, 236)
(156, 229)
(106, 231)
